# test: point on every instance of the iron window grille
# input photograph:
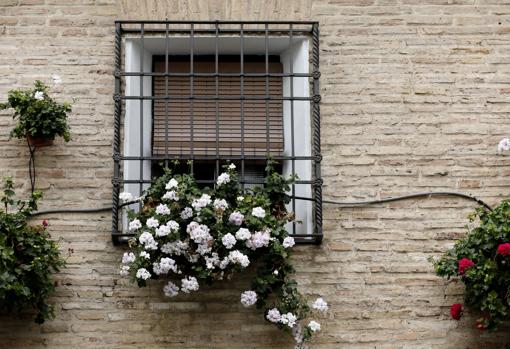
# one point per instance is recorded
(266, 35)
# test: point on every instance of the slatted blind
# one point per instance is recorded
(182, 124)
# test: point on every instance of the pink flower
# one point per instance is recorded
(45, 223)
(504, 249)
(464, 265)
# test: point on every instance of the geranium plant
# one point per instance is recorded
(39, 115)
(190, 236)
(28, 257)
(481, 261)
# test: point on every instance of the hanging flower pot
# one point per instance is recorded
(39, 141)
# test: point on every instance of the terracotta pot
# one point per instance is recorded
(37, 141)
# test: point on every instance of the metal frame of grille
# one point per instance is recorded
(141, 29)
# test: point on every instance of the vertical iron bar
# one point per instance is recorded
(142, 49)
(216, 70)
(116, 137)
(291, 82)
(242, 106)
(317, 132)
(266, 44)
(166, 94)
(192, 92)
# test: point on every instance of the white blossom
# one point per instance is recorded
(236, 218)
(163, 230)
(200, 203)
(164, 266)
(145, 254)
(275, 272)
(174, 248)
(189, 284)
(320, 304)
(162, 209)
(243, 234)
(170, 195)
(193, 258)
(173, 225)
(228, 240)
(39, 95)
(248, 298)
(57, 80)
(213, 261)
(152, 222)
(135, 224)
(288, 319)
(259, 239)
(143, 273)
(223, 179)
(128, 257)
(258, 212)
(171, 184)
(124, 270)
(199, 233)
(232, 166)
(204, 248)
(125, 196)
(273, 315)
(288, 242)
(187, 213)
(240, 198)
(224, 263)
(237, 257)
(220, 204)
(314, 326)
(171, 289)
(147, 240)
(504, 145)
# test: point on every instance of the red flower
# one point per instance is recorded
(504, 249)
(456, 311)
(45, 223)
(464, 265)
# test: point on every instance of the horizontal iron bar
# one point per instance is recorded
(205, 181)
(214, 98)
(214, 22)
(246, 32)
(275, 75)
(215, 157)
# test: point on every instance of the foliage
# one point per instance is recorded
(28, 257)
(38, 114)
(482, 261)
(198, 236)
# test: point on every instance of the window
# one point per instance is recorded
(213, 92)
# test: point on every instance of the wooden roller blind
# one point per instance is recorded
(180, 124)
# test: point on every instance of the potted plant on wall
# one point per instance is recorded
(40, 117)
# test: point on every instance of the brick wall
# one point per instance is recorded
(415, 98)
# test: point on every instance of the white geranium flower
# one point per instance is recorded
(258, 212)
(320, 304)
(243, 234)
(224, 263)
(259, 239)
(57, 80)
(199, 233)
(240, 198)
(213, 261)
(236, 218)
(164, 266)
(220, 204)
(200, 203)
(125, 196)
(145, 254)
(274, 315)
(152, 222)
(171, 289)
(163, 230)
(189, 284)
(173, 226)
(147, 240)
(135, 224)
(223, 179)
(187, 213)
(232, 166)
(170, 195)
(288, 242)
(143, 274)
(248, 298)
(228, 240)
(175, 248)
(39, 95)
(171, 184)
(275, 272)
(504, 145)
(237, 257)
(288, 319)
(314, 326)
(162, 209)
(128, 257)
(124, 270)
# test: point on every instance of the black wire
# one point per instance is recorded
(341, 203)
(31, 165)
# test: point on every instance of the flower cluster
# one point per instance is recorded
(192, 236)
(481, 261)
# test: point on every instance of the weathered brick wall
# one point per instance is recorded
(415, 98)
